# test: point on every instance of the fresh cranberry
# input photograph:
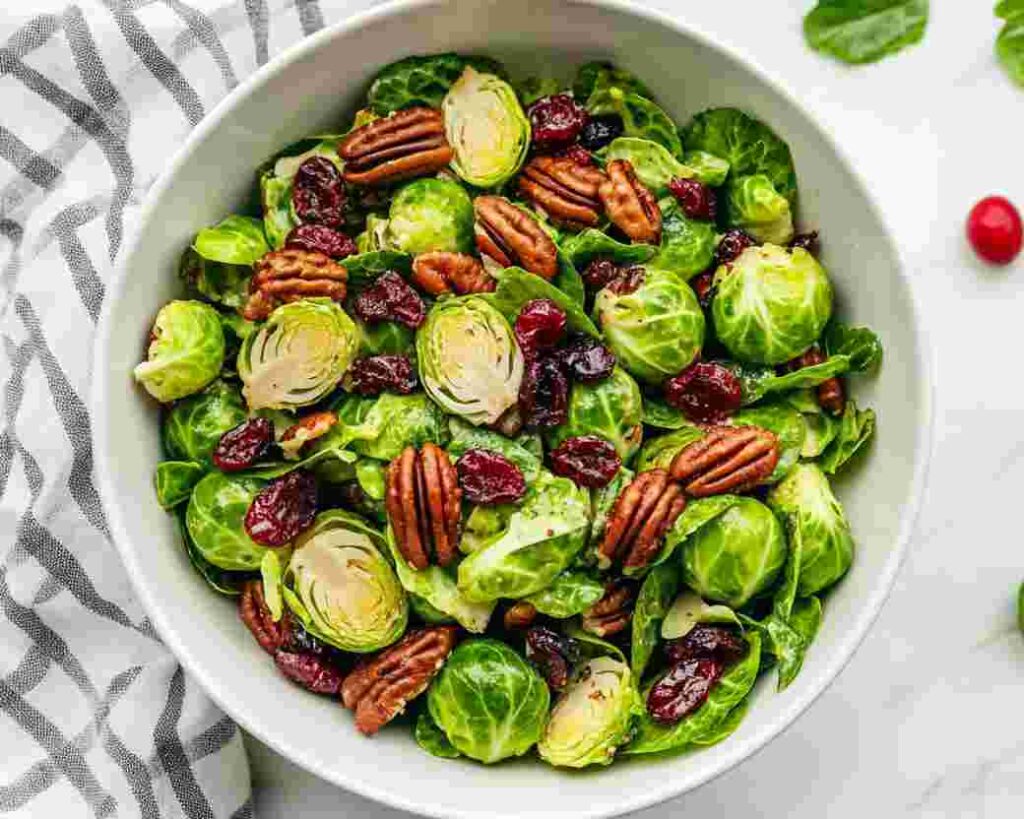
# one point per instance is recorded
(487, 478)
(581, 156)
(705, 392)
(283, 509)
(732, 244)
(628, 280)
(599, 131)
(321, 239)
(807, 241)
(390, 298)
(697, 200)
(587, 360)
(383, 373)
(241, 447)
(312, 672)
(556, 121)
(704, 286)
(600, 272)
(587, 460)
(720, 643)
(553, 654)
(318, 193)
(544, 393)
(994, 230)
(540, 325)
(682, 690)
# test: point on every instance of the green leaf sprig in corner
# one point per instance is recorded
(864, 31)
(1010, 42)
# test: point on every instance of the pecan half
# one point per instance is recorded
(309, 428)
(628, 203)
(441, 271)
(644, 511)
(519, 615)
(726, 459)
(612, 613)
(423, 504)
(511, 237)
(830, 393)
(252, 609)
(379, 688)
(290, 275)
(567, 191)
(408, 143)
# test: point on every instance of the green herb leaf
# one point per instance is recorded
(1010, 42)
(863, 31)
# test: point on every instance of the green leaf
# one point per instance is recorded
(516, 287)
(1020, 608)
(859, 344)
(220, 580)
(363, 268)
(725, 727)
(659, 589)
(419, 80)
(569, 281)
(855, 429)
(174, 481)
(863, 31)
(569, 594)
(756, 382)
(596, 76)
(532, 89)
(591, 645)
(660, 415)
(432, 739)
(697, 514)
(235, 240)
(583, 247)
(1010, 42)
(687, 245)
(525, 450)
(1008, 9)
(640, 117)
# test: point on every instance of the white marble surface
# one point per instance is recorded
(928, 718)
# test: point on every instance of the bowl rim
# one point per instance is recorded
(810, 687)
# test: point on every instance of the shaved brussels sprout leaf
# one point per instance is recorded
(659, 589)
(696, 515)
(758, 381)
(652, 162)
(516, 287)
(174, 481)
(859, 344)
(820, 427)
(660, 415)
(271, 572)
(228, 583)
(787, 640)
(864, 31)
(185, 352)
(787, 424)
(366, 267)
(569, 280)
(570, 593)
(597, 75)
(687, 245)
(525, 450)
(427, 613)
(640, 117)
(659, 452)
(583, 247)
(611, 409)
(432, 739)
(856, 427)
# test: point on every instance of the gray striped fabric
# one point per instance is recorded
(97, 718)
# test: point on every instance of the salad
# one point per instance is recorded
(514, 411)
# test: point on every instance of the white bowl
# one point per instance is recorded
(313, 87)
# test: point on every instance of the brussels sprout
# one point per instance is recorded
(516, 287)
(215, 520)
(748, 145)
(655, 331)
(539, 540)
(708, 168)
(697, 514)
(753, 204)
(583, 247)
(469, 362)
(688, 610)
(488, 701)
(596, 76)
(486, 127)
(788, 426)
(640, 117)
(341, 587)
(816, 522)
(687, 245)
(592, 718)
(569, 594)
(655, 166)
(611, 409)
(431, 214)
(737, 555)
(421, 80)
(382, 427)
(771, 304)
(365, 267)
(855, 429)
(659, 589)
(432, 739)
(859, 344)
(193, 426)
(298, 356)
(223, 582)
(372, 243)
(660, 415)
(276, 184)
(174, 481)
(758, 381)
(526, 450)
(185, 353)
(219, 263)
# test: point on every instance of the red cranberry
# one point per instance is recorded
(553, 654)
(628, 280)
(599, 131)
(487, 478)
(544, 393)
(587, 460)
(310, 671)
(539, 326)
(581, 156)
(807, 241)
(321, 239)
(682, 690)
(318, 194)
(705, 392)
(697, 200)
(390, 298)
(994, 230)
(283, 509)
(704, 286)
(588, 360)
(383, 373)
(600, 272)
(241, 447)
(555, 121)
(720, 643)
(732, 244)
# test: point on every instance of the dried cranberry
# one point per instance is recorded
(553, 654)
(555, 121)
(719, 643)
(705, 392)
(697, 200)
(704, 286)
(579, 155)
(312, 672)
(283, 509)
(599, 131)
(390, 298)
(539, 326)
(321, 239)
(994, 230)
(600, 272)
(628, 280)
(732, 244)
(588, 360)
(383, 373)
(241, 447)
(544, 393)
(587, 460)
(808, 241)
(487, 477)
(318, 193)
(682, 690)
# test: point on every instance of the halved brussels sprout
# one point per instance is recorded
(753, 204)
(611, 409)
(185, 353)
(737, 555)
(430, 214)
(771, 304)
(593, 717)
(341, 587)
(488, 701)
(298, 356)
(215, 520)
(657, 330)
(219, 262)
(193, 426)
(486, 127)
(469, 361)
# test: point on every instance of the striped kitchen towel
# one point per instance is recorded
(97, 718)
